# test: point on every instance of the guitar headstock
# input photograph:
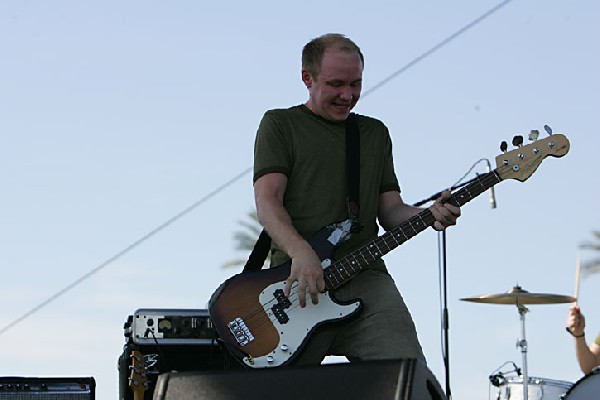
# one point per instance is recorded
(522, 162)
(138, 380)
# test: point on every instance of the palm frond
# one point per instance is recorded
(234, 263)
(246, 239)
(590, 245)
(590, 267)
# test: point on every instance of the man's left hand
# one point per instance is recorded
(445, 214)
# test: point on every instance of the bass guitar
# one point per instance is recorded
(263, 328)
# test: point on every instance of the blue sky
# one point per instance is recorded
(117, 116)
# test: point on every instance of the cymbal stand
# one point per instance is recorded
(523, 345)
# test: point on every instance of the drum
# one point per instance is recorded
(587, 387)
(537, 389)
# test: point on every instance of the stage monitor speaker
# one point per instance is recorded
(24, 388)
(407, 379)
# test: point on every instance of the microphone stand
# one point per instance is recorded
(445, 316)
(444, 285)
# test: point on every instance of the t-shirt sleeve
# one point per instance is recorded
(271, 146)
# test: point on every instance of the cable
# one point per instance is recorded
(233, 180)
(471, 169)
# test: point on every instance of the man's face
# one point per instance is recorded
(336, 89)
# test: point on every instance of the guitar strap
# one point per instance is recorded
(353, 169)
(263, 244)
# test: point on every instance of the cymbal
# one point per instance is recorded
(518, 296)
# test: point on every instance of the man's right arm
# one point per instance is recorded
(306, 268)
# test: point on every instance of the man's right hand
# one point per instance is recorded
(306, 269)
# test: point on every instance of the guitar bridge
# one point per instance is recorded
(240, 331)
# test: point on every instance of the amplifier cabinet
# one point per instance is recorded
(406, 379)
(24, 388)
(159, 340)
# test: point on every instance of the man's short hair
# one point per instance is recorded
(312, 53)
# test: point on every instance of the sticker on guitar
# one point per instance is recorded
(262, 328)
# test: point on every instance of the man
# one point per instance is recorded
(587, 357)
(300, 186)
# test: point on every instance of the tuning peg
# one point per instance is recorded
(548, 129)
(533, 135)
(503, 146)
(517, 141)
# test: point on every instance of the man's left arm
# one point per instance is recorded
(393, 211)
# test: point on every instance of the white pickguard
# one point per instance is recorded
(301, 322)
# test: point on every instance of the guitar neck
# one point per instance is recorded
(138, 393)
(349, 266)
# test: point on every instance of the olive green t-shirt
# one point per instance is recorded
(310, 151)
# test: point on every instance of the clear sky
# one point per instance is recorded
(117, 116)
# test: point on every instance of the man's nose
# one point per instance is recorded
(346, 93)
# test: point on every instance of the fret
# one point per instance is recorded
(399, 239)
(343, 271)
(366, 261)
(377, 252)
(483, 187)
(412, 227)
(383, 241)
(466, 190)
(461, 196)
(329, 282)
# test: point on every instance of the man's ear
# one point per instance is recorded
(307, 78)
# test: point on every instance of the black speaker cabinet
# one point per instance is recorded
(160, 359)
(22, 388)
(406, 379)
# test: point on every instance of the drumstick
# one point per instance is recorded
(577, 275)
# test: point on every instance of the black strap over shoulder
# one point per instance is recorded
(353, 166)
(263, 244)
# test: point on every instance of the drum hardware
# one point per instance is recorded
(537, 389)
(519, 297)
(499, 378)
(585, 388)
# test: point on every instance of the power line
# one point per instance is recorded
(438, 46)
(240, 175)
(127, 249)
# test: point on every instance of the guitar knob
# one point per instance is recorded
(533, 135)
(517, 141)
(284, 347)
(270, 359)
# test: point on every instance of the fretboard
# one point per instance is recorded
(341, 271)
